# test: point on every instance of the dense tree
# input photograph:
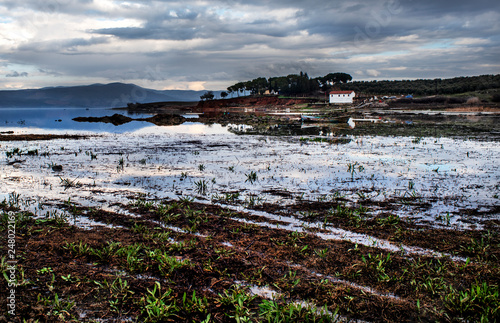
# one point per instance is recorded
(209, 95)
(292, 84)
(257, 86)
(301, 84)
(425, 87)
(335, 78)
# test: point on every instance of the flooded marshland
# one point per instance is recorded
(232, 223)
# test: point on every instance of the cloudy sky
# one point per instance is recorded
(196, 44)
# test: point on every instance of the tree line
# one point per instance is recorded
(301, 84)
(421, 87)
(292, 84)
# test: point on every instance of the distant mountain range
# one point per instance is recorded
(96, 95)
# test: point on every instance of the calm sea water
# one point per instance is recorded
(60, 119)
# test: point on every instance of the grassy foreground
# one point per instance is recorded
(187, 262)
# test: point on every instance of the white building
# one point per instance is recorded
(342, 96)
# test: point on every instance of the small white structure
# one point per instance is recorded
(342, 96)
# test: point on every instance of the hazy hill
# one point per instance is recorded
(95, 95)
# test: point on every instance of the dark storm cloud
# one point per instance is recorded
(188, 24)
(49, 6)
(443, 7)
(17, 74)
(61, 45)
(42, 71)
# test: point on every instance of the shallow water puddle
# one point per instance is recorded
(166, 164)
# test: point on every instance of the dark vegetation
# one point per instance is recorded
(428, 87)
(18, 137)
(301, 84)
(293, 84)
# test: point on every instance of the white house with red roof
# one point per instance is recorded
(342, 96)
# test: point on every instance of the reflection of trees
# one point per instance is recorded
(280, 130)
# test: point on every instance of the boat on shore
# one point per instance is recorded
(322, 119)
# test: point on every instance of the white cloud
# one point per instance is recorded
(472, 41)
(372, 72)
(398, 68)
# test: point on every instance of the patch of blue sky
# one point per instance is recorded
(5, 20)
(438, 45)
(229, 13)
(382, 54)
(24, 68)
(94, 13)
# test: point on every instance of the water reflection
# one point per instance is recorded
(285, 130)
(193, 128)
(60, 119)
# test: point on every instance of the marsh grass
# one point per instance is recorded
(479, 303)
(354, 168)
(60, 308)
(356, 217)
(228, 197)
(13, 152)
(158, 305)
(121, 165)
(236, 300)
(201, 186)
(378, 264)
(91, 154)
(69, 183)
(253, 200)
(251, 177)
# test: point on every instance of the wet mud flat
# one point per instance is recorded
(183, 261)
(159, 226)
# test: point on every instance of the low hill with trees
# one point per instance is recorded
(293, 84)
(421, 87)
(302, 85)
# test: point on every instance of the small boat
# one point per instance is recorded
(306, 118)
(311, 119)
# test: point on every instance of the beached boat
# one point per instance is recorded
(310, 119)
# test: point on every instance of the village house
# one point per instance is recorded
(342, 96)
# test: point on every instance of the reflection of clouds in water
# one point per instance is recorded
(312, 169)
(185, 128)
(47, 120)
(43, 121)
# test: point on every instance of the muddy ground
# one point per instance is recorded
(33, 137)
(180, 260)
(210, 266)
